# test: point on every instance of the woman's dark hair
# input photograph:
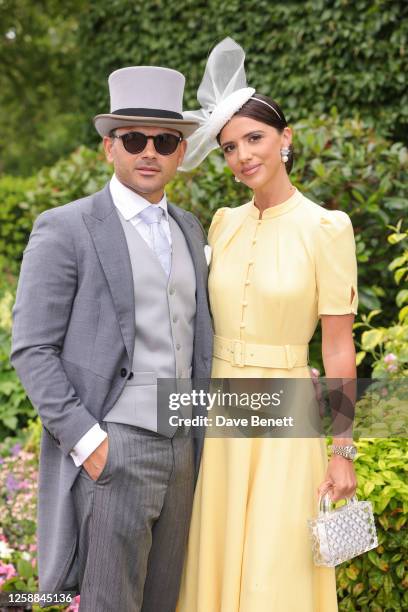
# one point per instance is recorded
(261, 111)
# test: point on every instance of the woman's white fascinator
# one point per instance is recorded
(222, 92)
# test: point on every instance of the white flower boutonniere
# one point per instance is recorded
(208, 253)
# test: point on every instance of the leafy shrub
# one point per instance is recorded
(80, 174)
(15, 219)
(388, 346)
(378, 580)
(310, 55)
(15, 408)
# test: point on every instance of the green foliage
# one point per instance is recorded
(15, 219)
(309, 55)
(82, 173)
(347, 166)
(15, 408)
(388, 346)
(378, 580)
(39, 121)
(382, 411)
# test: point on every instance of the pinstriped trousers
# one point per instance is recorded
(133, 522)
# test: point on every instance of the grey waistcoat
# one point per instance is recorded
(165, 313)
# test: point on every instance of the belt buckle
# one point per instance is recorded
(290, 359)
(238, 353)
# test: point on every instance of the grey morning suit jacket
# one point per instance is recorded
(73, 338)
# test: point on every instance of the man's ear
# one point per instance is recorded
(107, 145)
(182, 151)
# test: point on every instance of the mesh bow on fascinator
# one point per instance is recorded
(222, 92)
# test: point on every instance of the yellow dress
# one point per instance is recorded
(270, 279)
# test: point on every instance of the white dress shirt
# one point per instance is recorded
(130, 204)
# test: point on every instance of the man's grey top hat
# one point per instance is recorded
(146, 95)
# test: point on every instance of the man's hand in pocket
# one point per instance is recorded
(97, 460)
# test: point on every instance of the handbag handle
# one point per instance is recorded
(325, 503)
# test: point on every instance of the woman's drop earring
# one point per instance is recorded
(285, 154)
(236, 179)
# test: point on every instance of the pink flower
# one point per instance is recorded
(24, 484)
(390, 358)
(392, 368)
(315, 372)
(7, 571)
(74, 606)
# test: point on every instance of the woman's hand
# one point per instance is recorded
(340, 480)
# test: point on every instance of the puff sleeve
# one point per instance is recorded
(336, 266)
(215, 226)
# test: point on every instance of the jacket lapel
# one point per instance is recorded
(110, 244)
(193, 238)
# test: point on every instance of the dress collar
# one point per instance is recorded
(279, 209)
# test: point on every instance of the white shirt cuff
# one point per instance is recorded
(87, 444)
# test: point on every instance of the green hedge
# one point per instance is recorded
(310, 55)
(378, 580)
(15, 219)
(22, 200)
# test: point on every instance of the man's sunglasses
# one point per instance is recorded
(135, 142)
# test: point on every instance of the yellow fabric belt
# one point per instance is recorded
(240, 354)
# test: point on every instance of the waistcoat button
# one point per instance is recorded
(123, 372)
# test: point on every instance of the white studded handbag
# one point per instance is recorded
(341, 534)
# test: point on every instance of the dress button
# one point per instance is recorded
(178, 347)
(247, 282)
(255, 240)
(175, 319)
(250, 262)
(245, 303)
(172, 291)
(130, 376)
(123, 372)
(242, 325)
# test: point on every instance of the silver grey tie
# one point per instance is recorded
(152, 215)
